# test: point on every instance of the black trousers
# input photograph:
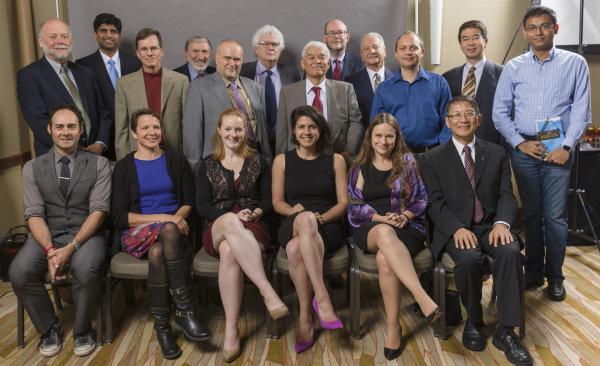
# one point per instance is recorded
(507, 273)
(87, 268)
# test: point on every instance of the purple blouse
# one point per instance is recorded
(359, 212)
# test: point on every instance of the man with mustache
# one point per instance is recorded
(159, 89)
(108, 64)
(198, 52)
(415, 96)
(54, 80)
(336, 100)
(66, 197)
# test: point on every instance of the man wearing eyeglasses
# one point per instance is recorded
(54, 80)
(477, 77)
(343, 64)
(472, 207)
(544, 87)
(161, 90)
(268, 43)
(334, 99)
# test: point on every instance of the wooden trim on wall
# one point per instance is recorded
(14, 160)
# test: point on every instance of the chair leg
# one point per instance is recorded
(439, 294)
(57, 300)
(522, 326)
(275, 324)
(99, 311)
(128, 288)
(20, 324)
(108, 308)
(355, 304)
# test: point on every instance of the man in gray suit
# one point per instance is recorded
(209, 96)
(66, 196)
(336, 100)
(272, 76)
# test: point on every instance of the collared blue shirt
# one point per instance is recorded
(261, 78)
(531, 90)
(419, 106)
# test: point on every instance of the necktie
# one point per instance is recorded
(317, 101)
(337, 70)
(242, 107)
(469, 88)
(271, 102)
(76, 98)
(470, 168)
(65, 176)
(377, 81)
(112, 73)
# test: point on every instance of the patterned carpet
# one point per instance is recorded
(566, 333)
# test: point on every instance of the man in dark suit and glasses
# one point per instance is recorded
(472, 207)
(53, 80)
(477, 77)
(343, 63)
(108, 64)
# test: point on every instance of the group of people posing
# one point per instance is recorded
(367, 158)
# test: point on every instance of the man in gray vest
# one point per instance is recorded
(66, 195)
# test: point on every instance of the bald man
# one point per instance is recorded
(52, 81)
(343, 63)
(209, 96)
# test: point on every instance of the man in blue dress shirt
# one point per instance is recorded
(543, 84)
(415, 96)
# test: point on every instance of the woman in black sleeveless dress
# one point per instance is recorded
(387, 214)
(309, 189)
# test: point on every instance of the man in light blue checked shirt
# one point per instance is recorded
(544, 83)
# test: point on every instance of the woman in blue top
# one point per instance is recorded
(153, 195)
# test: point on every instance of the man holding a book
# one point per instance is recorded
(542, 108)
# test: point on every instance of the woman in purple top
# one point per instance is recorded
(387, 201)
(153, 196)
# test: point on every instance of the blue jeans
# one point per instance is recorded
(543, 189)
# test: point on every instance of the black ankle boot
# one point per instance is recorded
(185, 320)
(160, 308)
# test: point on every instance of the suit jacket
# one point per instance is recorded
(183, 69)
(364, 92)
(342, 109)
(131, 95)
(484, 97)
(39, 90)
(352, 65)
(451, 198)
(288, 75)
(206, 99)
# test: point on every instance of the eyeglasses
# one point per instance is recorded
(476, 37)
(534, 28)
(336, 33)
(269, 44)
(466, 115)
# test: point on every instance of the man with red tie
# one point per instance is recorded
(336, 100)
(343, 64)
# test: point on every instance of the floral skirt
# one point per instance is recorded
(136, 241)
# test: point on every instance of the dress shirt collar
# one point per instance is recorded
(459, 147)
(58, 156)
(372, 73)
(422, 74)
(550, 55)
(341, 58)
(236, 82)
(260, 68)
(55, 65)
(309, 85)
(478, 66)
(193, 72)
(114, 57)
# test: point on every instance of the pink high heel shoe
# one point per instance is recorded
(334, 324)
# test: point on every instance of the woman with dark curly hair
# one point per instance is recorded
(387, 214)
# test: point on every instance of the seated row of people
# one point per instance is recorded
(153, 195)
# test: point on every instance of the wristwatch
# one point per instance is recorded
(76, 244)
(566, 148)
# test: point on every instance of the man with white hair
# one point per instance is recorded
(268, 43)
(336, 100)
(366, 81)
(54, 80)
(198, 52)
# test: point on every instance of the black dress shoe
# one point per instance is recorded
(533, 282)
(556, 290)
(391, 354)
(473, 337)
(509, 343)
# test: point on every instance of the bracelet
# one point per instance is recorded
(76, 244)
(48, 248)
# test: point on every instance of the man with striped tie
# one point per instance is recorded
(477, 77)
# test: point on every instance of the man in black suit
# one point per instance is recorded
(198, 52)
(268, 43)
(366, 81)
(477, 77)
(53, 80)
(343, 64)
(108, 64)
(472, 207)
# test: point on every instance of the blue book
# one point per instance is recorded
(550, 132)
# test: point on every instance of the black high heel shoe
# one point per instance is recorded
(393, 353)
(434, 316)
